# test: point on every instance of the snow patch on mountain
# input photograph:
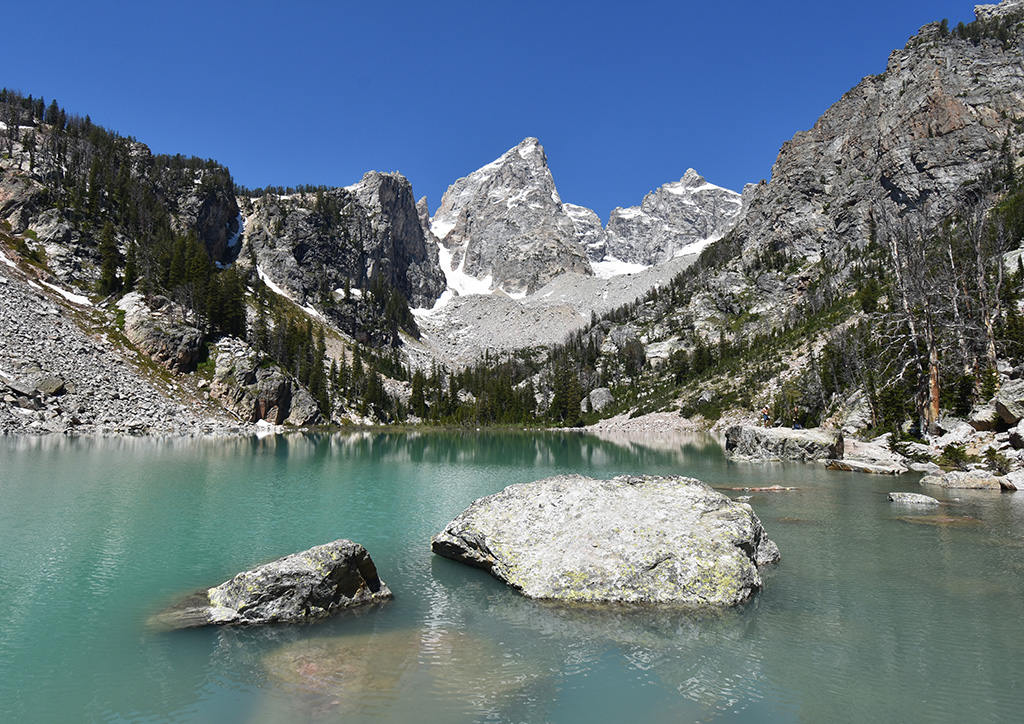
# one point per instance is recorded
(611, 267)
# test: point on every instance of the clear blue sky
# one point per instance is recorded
(624, 96)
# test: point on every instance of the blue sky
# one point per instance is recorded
(623, 96)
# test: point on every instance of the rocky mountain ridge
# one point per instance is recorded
(505, 223)
(310, 244)
(938, 125)
(676, 219)
(506, 227)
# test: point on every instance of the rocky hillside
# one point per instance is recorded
(147, 300)
(944, 115)
(58, 181)
(65, 368)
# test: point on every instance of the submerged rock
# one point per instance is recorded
(941, 521)
(912, 499)
(356, 673)
(634, 539)
(749, 442)
(300, 587)
(860, 466)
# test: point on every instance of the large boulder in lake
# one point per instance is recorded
(301, 587)
(750, 442)
(634, 539)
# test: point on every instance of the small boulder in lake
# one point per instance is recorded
(912, 499)
(750, 442)
(632, 539)
(300, 587)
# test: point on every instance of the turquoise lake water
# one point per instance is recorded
(873, 614)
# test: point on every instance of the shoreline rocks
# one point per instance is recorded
(970, 480)
(858, 466)
(298, 588)
(632, 539)
(749, 442)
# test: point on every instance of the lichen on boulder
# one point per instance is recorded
(632, 539)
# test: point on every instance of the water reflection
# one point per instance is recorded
(527, 448)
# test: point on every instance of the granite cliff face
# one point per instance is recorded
(676, 219)
(206, 204)
(505, 222)
(309, 244)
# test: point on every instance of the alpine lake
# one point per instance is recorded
(875, 613)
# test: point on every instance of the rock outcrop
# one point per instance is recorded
(506, 222)
(909, 139)
(912, 499)
(309, 244)
(969, 480)
(198, 197)
(397, 248)
(204, 202)
(869, 457)
(1009, 402)
(599, 399)
(634, 539)
(255, 391)
(676, 219)
(298, 588)
(589, 230)
(156, 327)
(749, 442)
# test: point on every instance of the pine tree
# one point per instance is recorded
(131, 272)
(417, 402)
(109, 261)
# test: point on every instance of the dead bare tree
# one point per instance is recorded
(913, 326)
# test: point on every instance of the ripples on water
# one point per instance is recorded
(876, 613)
